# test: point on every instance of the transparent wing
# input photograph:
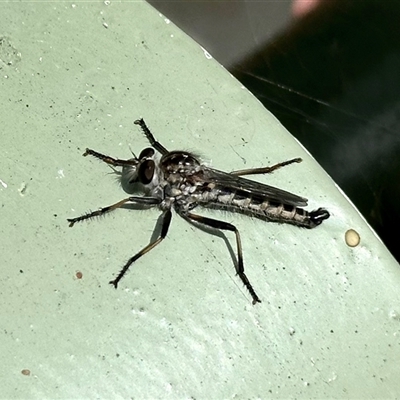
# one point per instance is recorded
(224, 181)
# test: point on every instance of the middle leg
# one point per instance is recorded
(98, 213)
(166, 221)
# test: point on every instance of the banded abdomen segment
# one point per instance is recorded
(263, 208)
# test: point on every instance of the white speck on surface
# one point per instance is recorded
(105, 25)
(167, 21)
(393, 314)
(206, 53)
(3, 184)
(60, 173)
(107, 2)
(22, 189)
(333, 377)
(168, 387)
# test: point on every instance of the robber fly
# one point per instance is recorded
(178, 180)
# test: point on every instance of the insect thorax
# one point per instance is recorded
(181, 172)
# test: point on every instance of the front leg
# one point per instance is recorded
(157, 145)
(115, 162)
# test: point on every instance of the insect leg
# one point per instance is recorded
(104, 210)
(109, 160)
(222, 225)
(166, 220)
(157, 145)
(265, 170)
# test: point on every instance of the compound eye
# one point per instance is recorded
(146, 153)
(146, 171)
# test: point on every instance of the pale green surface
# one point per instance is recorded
(181, 325)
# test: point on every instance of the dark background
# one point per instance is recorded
(331, 75)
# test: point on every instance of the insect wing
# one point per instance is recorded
(225, 181)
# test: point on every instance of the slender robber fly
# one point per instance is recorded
(178, 180)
